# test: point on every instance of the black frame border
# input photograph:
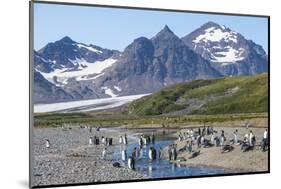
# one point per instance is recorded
(31, 40)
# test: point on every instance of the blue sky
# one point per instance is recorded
(116, 28)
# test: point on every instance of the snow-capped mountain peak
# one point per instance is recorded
(217, 43)
(217, 34)
(227, 50)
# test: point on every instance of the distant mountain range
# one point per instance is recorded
(67, 70)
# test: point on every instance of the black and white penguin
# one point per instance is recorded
(144, 141)
(179, 138)
(160, 153)
(120, 140)
(202, 140)
(135, 153)
(195, 154)
(97, 140)
(174, 153)
(189, 147)
(152, 138)
(217, 141)
(140, 142)
(131, 163)
(90, 140)
(170, 153)
(47, 143)
(227, 148)
(125, 140)
(116, 164)
(123, 155)
(103, 140)
(110, 141)
(152, 154)
(248, 147)
(104, 152)
(148, 140)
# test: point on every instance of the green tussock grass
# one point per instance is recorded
(251, 96)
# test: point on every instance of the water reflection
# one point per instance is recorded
(161, 168)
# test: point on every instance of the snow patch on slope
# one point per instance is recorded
(229, 55)
(117, 88)
(89, 48)
(84, 68)
(215, 35)
(109, 92)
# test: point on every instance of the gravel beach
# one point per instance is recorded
(70, 159)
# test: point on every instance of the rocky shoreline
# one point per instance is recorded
(70, 159)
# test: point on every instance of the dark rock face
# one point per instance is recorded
(228, 51)
(46, 92)
(147, 65)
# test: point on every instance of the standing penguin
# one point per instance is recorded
(152, 154)
(202, 140)
(103, 140)
(179, 138)
(134, 154)
(222, 138)
(174, 153)
(199, 131)
(104, 152)
(144, 141)
(123, 155)
(97, 140)
(152, 138)
(131, 163)
(106, 141)
(208, 130)
(120, 140)
(140, 142)
(212, 138)
(47, 143)
(190, 147)
(148, 139)
(235, 135)
(160, 153)
(170, 152)
(90, 141)
(125, 141)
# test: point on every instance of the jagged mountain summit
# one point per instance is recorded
(68, 55)
(227, 50)
(147, 65)
(74, 71)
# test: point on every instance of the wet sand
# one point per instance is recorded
(236, 160)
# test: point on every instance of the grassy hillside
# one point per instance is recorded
(230, 95)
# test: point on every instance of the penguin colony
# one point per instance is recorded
(194, 139)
